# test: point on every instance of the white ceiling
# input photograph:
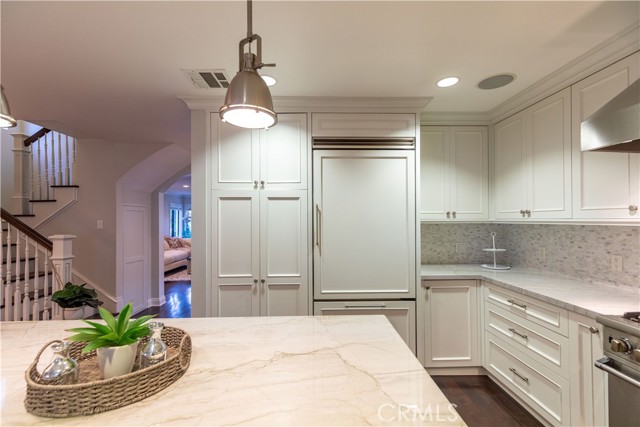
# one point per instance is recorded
(111, 70)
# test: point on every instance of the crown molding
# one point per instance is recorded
(428, 118)
(323, 104)
(618, 47)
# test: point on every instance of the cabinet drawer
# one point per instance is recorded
(547, 393)
(548, 348)
(547, 315)
(401, 314)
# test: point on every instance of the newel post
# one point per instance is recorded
(21, 169)
(61, 260)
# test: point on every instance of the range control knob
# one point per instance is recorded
(636, 354)
(621, 345)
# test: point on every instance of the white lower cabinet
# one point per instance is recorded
(260, 253)
(544, 355)
(541, 389)
(588, 383)
(401, 314)
(449, 323)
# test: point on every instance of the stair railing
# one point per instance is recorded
(52, 162)
(26, 258)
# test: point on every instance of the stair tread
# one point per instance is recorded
(21, 215)
(13, 260)
(31, 276)
(43, 201)
(31, 294)
(65, 186)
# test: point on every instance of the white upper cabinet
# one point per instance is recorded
(454, 181)
(605, 185)
(260, 159)
(533, 161)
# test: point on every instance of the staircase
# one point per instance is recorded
(32, 266)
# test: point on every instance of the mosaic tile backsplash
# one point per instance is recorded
(578, 251)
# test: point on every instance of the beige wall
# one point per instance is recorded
(100, 165)
(6, 169)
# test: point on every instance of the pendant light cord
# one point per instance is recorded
(249, 19)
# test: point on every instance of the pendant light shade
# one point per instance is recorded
(248, 102)
(6, 119)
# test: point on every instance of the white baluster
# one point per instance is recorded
(17, 261)
(17, 299)
(66, 160)
(49, 171)
(74, 145)
(46, 300)
(26, 302)
(36, 306)
(2, 278)
(8, 289)
(59, 180)
(35, 148)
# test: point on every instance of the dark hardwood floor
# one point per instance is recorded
(481, 403)
(178, 296)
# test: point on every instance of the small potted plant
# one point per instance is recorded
(73, 298)
(115, 342)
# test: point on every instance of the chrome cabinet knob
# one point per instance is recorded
(633, 208)
(453, 214)
(448, 214)
(528, 212)
(522, 212)
(621, 345)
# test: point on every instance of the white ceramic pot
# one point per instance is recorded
(73, 313)
(116, 361)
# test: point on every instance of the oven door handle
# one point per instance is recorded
(604, 364)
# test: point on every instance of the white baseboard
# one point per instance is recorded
(473, 370)
(156, 302)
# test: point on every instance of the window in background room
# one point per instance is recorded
(174, 222)
(186, 230)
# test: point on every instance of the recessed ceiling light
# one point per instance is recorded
(269, 80)
(496, 81)
(447, 81)
(186, 186)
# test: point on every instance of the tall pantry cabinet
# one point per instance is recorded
(259, 215)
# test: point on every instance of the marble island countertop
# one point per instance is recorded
(269, 371)
(582, 297)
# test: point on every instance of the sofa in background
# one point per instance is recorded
(177, 253)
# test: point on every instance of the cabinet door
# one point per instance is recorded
(401, 314)
(510, 168)
(468, 172)
(283, 153)
(588, 384)
(235, 253)
(235, 156)
(450, 323)
(283, 253)
(605, 184)
(434, 172)
(549, 154)
(364, 224)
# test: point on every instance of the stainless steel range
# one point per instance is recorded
(621, 347)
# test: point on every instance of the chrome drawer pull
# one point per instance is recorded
(525, 379)
(522, 306)
(518, 333)
(593, 330)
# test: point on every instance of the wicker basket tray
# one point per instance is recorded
(92, 395)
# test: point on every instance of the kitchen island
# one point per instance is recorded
(334, 370)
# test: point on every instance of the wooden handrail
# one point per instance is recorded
(33, 234)
(36, 136)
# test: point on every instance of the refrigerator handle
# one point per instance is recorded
(318, 229)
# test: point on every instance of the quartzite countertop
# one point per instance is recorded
(581, 297)
(333, 370)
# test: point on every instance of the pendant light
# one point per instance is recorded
(6, 119)
(248, 103)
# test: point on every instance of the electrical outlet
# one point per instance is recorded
(99, 224)
(461, 248)
(541, 253)
(616, 263)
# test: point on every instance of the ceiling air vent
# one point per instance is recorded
(208, 79)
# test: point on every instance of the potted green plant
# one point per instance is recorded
(115, 342)
(73, 298)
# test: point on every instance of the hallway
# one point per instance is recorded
(178, 301)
